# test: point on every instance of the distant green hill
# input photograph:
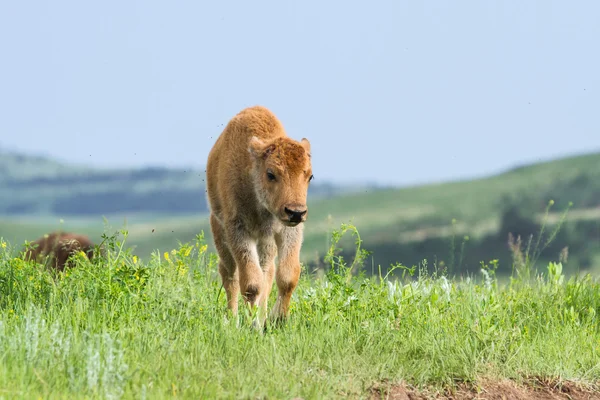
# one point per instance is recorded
(33, 185)
(399, 225)
(410, 224)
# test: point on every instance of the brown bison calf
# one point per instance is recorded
(58, 247)
(257, 183)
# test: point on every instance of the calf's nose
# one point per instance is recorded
(295, 214)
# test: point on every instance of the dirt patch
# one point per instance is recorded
(530, 389)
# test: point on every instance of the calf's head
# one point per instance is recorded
(282, 171)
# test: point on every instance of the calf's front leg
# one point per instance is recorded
(250, 274)
(267, 251)
(289, 243)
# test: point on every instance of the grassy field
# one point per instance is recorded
(126, 328)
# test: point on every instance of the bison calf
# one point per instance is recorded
(57, 247)
(257, 183)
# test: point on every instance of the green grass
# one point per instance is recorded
(125, 328)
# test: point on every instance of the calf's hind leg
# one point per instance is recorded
(289, 242)
(227, 268)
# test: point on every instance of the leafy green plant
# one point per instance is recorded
(524, 262)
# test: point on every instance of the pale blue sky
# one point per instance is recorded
(387, 91)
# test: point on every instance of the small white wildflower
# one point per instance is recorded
(423, 289)
(415, 286)
(394, 290)
(349, 300)
(309, 293)
(445, 285)
(487, 279)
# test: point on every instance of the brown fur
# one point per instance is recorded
(253, 217)
(58, 247)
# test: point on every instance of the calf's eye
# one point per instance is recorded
(271, 176)
(311, 178)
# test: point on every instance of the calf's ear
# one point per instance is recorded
(306, 144)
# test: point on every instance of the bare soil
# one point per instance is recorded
(534, 388)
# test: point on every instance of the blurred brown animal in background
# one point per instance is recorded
(58, 247)
(257, 181)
